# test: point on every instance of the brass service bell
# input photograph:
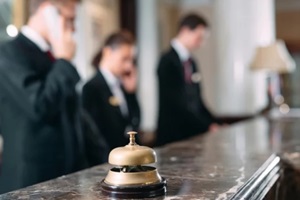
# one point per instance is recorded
(131, 178)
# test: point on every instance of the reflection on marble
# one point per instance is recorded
(211, 166)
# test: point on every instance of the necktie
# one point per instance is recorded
(188, 70)
(50, 56)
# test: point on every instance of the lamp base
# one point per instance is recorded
(135, 191)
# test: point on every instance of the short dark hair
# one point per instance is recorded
(35, 4)
(192, 21)
(114, 41)
(119, 38)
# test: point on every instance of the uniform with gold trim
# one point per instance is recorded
(104, 107)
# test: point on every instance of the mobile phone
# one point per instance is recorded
(51, 14)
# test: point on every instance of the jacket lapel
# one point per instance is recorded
(108, 95)
(176, 60)
(180, 67)
(38, 60)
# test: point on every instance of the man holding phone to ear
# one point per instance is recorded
(38, 102)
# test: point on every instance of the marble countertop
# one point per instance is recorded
(210, 166)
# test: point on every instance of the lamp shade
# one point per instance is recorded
(273, 58)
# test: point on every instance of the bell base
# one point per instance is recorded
(136, 191)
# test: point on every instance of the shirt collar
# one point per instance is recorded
(111, 79)
(36, 38)
(182, 52)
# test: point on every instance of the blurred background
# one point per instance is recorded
(231, 89)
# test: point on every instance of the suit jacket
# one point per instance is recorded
(39, 116)
(108, 117)
(182, 112)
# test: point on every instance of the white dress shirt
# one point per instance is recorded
(185, 55)
(36, 38)
(115, 87)
(182, 52)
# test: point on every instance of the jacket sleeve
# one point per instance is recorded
(39, 96)
(59, 84)
(89, 103)
(210, 117)
(97, 148)
(173, 96)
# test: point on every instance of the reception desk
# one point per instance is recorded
(241, 161)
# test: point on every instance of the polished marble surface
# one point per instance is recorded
(210, 166)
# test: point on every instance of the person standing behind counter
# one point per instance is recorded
(38, 102)
(109, 97)
(182, 112)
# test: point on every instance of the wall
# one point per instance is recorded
(288, 29)
(95, 21)
(148, 52)
(241, 26)
(169, 14)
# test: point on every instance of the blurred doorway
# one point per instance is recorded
(288, 29)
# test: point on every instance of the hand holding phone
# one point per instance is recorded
(59, 34)
(52, 19)
(129, 80)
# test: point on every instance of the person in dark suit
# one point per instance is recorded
(182, 112)
(109, 97)
(38, 103)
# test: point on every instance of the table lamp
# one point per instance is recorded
(275, 60)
